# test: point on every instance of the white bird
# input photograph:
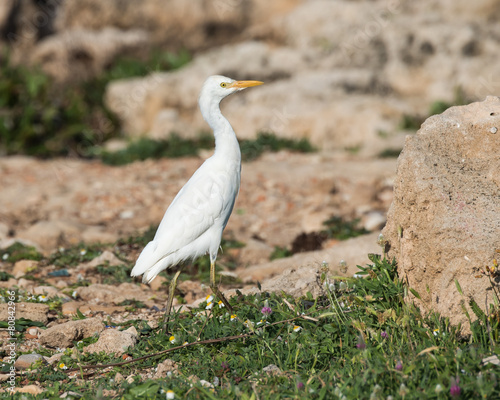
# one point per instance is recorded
(193, 223)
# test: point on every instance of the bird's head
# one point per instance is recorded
(217, 87)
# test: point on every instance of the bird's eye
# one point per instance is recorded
(223, 84)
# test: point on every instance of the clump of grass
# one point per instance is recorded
(41, 118)
(72, 256)
(175, 147)
(413, 122)
(390, 153)
(280, 252)
(19, 251)
(145, 148)
(269, 142)
(341, 229)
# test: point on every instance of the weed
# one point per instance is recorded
(360, 340)
(338, 228)
(19, 251)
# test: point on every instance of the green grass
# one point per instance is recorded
(41, 118)
(360, 340)
(19, 251)
(175, 147)
(414, 121)
(341, 229)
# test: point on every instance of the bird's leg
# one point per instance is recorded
(215, 288)
(171, 290)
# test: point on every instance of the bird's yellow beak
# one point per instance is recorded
(245, 84)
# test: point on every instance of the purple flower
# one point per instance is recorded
(454, 389)
(224, 365)
(399, 366)
(384, 335)
(266, 311)
(300, 385)
(361, 343)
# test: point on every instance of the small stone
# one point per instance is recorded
(30, 389)
(272, 370)
(493, 130)
(54, 358)
(23, 266)
(49, 291)
(25, 361)
(165, 367)
(106, 258)
(119, 378)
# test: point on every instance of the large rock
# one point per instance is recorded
(109, 294)
(447, 206)
(63, 335)
(80, 54)
(114, 341)
(33, 311)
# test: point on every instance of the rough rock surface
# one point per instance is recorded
(63, 335)
(25, 361)
(447, 206)
(33, 311)
(109, 294)
(114, 341)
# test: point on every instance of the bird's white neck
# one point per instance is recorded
(225, 139)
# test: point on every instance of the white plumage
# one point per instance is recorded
(193, 223)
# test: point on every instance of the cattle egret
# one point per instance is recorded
(193, 223)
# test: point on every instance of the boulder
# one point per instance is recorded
(443, 225)
(80, 54)
(114, 341)
(33, 311)
(109, 294)
(63, 335)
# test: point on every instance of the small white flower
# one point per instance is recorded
(74, 294)
(170, 394)
(83, 252)
(43, 298)
(209, 298)
(221, 304)
(5, 256)
(63, 366)
(438, 388)
(185, 343)
(209, 306)
(297, 328)
(172, 339)
(62, 249)
(234, 317)
(435, 332)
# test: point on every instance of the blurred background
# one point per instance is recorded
(88, 83)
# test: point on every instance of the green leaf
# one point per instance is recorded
(458, 287)
(415, 293)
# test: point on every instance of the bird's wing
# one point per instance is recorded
(203, 200)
